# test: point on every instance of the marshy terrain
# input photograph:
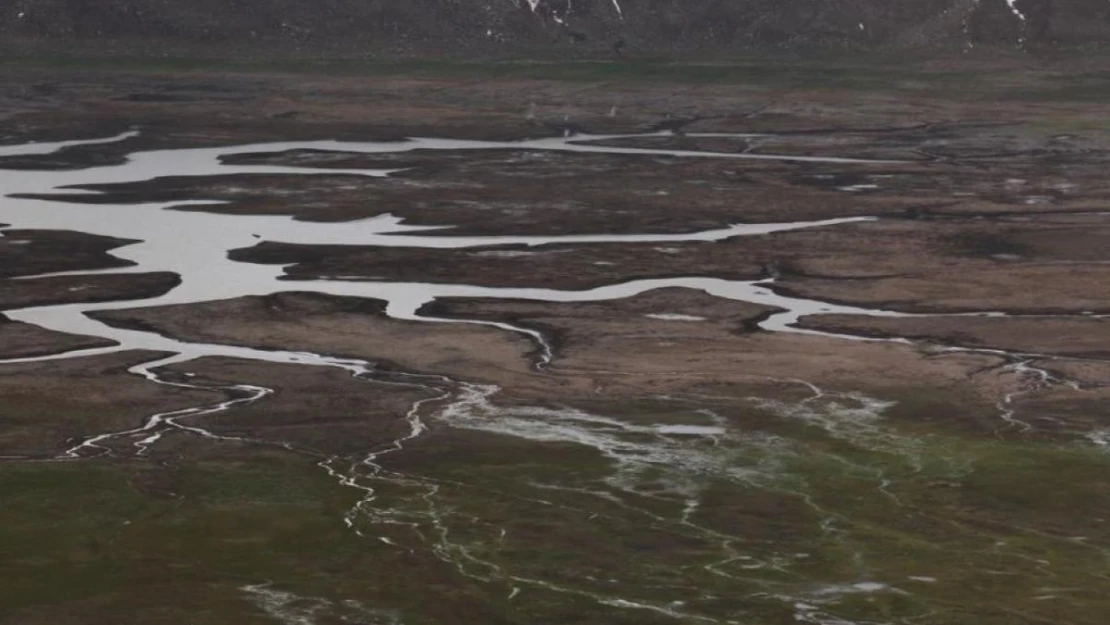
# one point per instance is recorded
(555, 343)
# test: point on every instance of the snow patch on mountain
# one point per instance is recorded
(543, 8)
(1015, 10)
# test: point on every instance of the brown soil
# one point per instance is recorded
(33, 252)
(1083, 338)
(606, 351)
(340, 326)
(995, 207)
(50, 404)
(90, 288)
(21, 340)
(324, 411)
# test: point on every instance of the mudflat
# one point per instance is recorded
(497, 347)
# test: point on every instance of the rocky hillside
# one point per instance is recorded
(570, 27)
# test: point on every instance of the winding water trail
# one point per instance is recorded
(195, 245)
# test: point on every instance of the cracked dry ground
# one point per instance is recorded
(676, 461)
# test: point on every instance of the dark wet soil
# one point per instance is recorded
(326, 411)
(35, 252)
(21, 340)
(50, 405)
(50, 291)
(1075, 336)
(346, 326)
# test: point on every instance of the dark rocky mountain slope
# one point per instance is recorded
(566, 27)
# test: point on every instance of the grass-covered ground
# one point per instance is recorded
(831, 515)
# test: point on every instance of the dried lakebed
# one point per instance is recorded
(539, 469)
